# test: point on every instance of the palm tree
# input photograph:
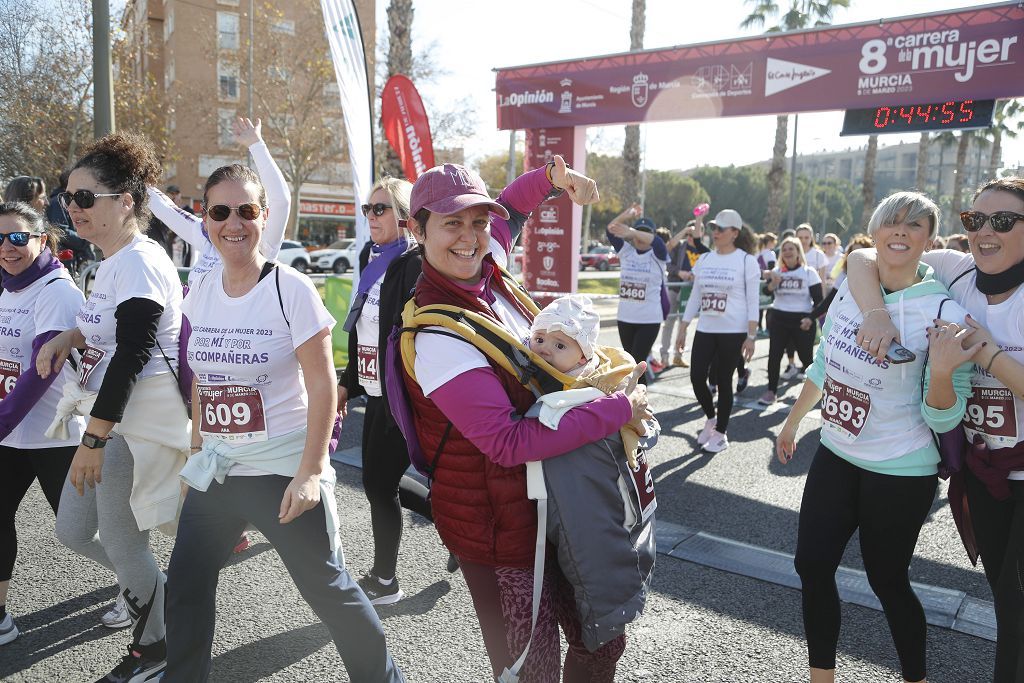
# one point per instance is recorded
(945, 140)
(964, 139)
(400, 15)
(868, 187)
(921, 177)
(631, 147)
(1005, 123)
(801, 14)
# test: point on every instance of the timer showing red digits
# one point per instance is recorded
(909, 118)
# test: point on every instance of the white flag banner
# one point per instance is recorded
(349, 58)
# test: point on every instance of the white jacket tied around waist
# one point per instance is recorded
(280, 455)
(157, 432)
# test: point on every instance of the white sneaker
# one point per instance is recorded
(705, 434)
(790, 373)
(8, 630)
(801, 376)
(117, 616)
(717, 443)
(767, 398)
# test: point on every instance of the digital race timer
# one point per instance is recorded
(910, 118)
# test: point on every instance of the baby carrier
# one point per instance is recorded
(595, 508)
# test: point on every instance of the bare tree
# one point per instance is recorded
(631, 147)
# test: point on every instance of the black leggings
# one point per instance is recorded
(638, 339)
(784, 328)
(840, 498)
(21, 466)
(724, 350)
(385, 460)
(999, 529)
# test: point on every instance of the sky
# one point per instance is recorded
(472, 37)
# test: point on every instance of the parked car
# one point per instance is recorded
(600, 257)
(339, 258)
(295, 255)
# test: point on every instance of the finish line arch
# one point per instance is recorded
(959, 54)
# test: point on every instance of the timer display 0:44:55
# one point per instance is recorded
(947, 113)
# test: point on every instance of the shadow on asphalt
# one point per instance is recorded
(49, 631)
(418, 604)
(260, 659)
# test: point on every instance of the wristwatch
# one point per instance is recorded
(93, 441)
(751, 337)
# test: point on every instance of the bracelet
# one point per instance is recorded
(195, 448)
(992, 360)
(549, 167)
(875, 310)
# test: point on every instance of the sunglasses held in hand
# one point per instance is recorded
(1002, 221)
(378, 209)
(83, 198)
(220, 212)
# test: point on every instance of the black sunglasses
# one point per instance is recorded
(18, 239)
(220, 212)
(378, 209)
(83, 198)
(1002, 221)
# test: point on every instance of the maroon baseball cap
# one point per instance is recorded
(450, 189)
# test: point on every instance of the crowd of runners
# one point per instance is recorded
(207, 410)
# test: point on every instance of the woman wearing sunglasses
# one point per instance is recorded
(123, 479)
(191, 228)
(987, 282)
(262, 411)
(875, 468)
(39, 300)
(388, 268)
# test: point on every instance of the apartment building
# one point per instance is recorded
(198, 51)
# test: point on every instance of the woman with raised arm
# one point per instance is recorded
(262, 411)
(39, 300)
(875, 468)
(987, 282)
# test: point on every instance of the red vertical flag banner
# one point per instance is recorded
(406, 127)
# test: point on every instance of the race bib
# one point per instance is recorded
(10, 370)
(713, 303)
(991, 411)
(633, 291)
(367, 364)
(232, 413)
(643, 484)
(91, 357)
(790, 285)
(845, 408)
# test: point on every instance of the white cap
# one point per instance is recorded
(573, 316)
(727, 218)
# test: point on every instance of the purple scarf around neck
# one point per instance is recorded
(45, 263)
(381, 256)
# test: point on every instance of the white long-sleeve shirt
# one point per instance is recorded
(190, 228)
(725, 292)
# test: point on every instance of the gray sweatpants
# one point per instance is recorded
(118, 545)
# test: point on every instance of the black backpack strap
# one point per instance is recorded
(280, 301)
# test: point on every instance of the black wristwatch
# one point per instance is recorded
(93, 441)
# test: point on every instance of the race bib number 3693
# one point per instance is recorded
(845, 408)
(232, 413)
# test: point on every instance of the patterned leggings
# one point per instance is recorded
(503, 598)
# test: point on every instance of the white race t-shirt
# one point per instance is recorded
(769, 257)
(139, 270)
(793, 294)
(49, 304)
(641, 277)
(440, 358)
(816, 258)
(368, 336)
(242, 351)
(993, 412)
(725, 292)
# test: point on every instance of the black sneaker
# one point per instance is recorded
(377, 592)
(741, 381)
(136, 667)
(453, 564)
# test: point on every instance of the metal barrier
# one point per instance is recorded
(86, 277)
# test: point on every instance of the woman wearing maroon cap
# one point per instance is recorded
(478, 492)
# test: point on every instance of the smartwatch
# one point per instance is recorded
(93, 441)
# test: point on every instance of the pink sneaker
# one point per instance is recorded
(717, 443)
(705, 434)
(767, 398)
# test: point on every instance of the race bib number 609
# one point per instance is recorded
(232, 413)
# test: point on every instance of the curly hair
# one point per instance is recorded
(125, 163)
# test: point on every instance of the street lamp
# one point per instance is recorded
(103, 77)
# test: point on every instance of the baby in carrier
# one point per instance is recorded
(564, 334)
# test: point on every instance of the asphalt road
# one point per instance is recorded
(701, 624)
